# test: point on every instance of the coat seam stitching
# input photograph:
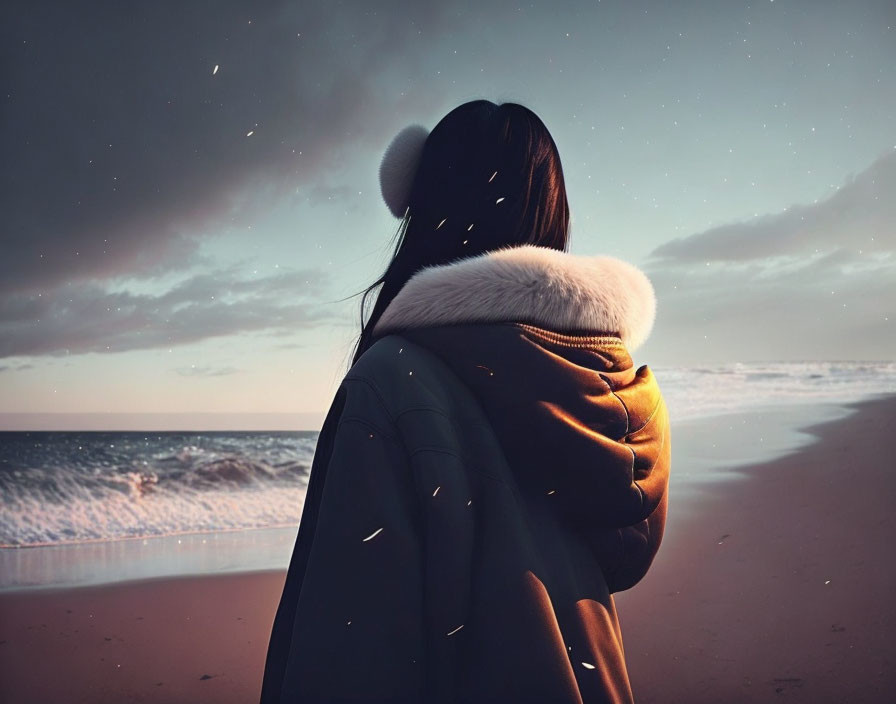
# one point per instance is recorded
(369, 424)
(376, 391)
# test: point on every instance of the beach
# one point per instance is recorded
(778, 586)
(190, 639)
(774, 580)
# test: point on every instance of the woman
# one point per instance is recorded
(493, 467)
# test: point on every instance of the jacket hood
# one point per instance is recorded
(543, 339)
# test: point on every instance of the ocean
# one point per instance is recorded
(84, 488)
(60, 487)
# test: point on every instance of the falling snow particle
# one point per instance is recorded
(437, 490)
(551, 491)
(499, 200)
(493, 177)
(216, 70)
(250, 133)
(441, 223)
(469, 502)
(455, 630)
(375, 533)
(588, 665)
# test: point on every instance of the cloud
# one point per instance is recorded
(86, 317)
(120, 144)
(19, 367)
(206, 371)
(814, 282)
(862, 212)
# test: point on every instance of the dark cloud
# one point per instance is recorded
(86, 317)
(862, 211)
(206, 371)
(119, 144)
(808, 283)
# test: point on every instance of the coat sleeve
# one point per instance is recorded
(626, 552)
(349, 625)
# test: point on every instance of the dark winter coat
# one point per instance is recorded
(491, 470)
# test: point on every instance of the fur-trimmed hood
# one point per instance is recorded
(537, 285)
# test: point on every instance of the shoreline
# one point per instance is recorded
(98, 563)
(773, 579)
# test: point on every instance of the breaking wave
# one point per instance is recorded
(74, 486)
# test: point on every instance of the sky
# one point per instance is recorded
(191, 196)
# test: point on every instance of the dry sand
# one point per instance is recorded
(777, 586)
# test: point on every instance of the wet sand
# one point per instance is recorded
(776, 585)
(781, 585)
(191, 639)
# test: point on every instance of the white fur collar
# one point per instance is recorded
(527, 283)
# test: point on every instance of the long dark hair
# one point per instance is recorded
(489, 177)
